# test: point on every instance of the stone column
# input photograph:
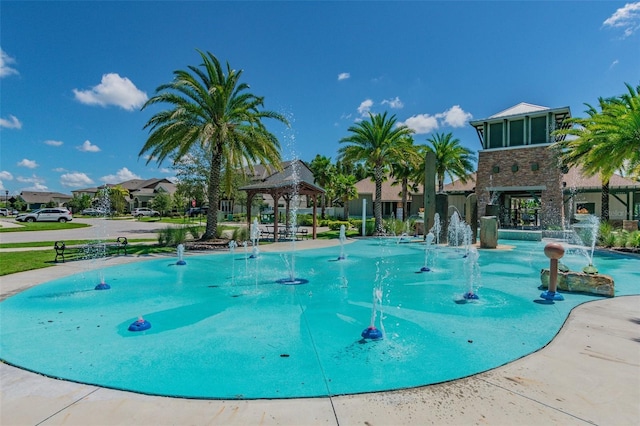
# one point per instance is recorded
(488, 232)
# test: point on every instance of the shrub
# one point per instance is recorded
(393, 226)
(171, 236)
(305, 220)
(334, 225)
(241, 233)
(369, 226)
(606, 236)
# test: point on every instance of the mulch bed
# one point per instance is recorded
(219, 244)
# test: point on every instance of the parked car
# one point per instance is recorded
(5, 212)
(46, 215)
(93, 212)
(197, 211)
(144, 211)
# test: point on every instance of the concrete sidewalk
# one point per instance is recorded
(589, 374)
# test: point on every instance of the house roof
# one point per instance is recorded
(521, 109)
(33, 197)
(136, 186)
(389, 193)
(576, 178)
(458, 187)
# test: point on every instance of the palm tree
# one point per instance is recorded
(345, 190)
(452, 159)
(211, 109)
(404, 168)
(605, 141)
(323, 172)
(375, 142)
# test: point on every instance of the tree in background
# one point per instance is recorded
(162, 203)
(452, 159)
(374, 143)
(118, 196)
(345, 191)
(79, 202)
(606, 141)
(323, 173)
(403, 170)
(210, 108)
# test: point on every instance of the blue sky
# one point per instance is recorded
(73, 75)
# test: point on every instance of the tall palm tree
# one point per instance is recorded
(403, 170)
(211, 109)
(605, 141)
(621, 120)
(374, 142)
(452, 159)
(585, 149)
(323, 172)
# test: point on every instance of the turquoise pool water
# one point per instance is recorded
(222, 328)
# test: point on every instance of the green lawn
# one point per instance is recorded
(44, 226)
(20, 261)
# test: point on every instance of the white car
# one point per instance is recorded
(46, 215)
(144, 211)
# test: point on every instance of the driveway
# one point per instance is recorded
(100, 229)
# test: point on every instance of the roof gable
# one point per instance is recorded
(519, 109)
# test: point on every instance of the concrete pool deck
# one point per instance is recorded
(589, 374)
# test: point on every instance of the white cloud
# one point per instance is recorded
(455, 116)
(75, 180)
(5, 64)
(60, 170)
(165, 170)
(11, 123)
(421, 123)
(113, 90)
(425, 123)
(627, 18)
(365, 107)
(395, 103)
(343, 76)
(37, 184)
(87, 146)
(29, 164)
(5, 175)
(51, 142)
(121, 175)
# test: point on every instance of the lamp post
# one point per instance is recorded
(6, 198)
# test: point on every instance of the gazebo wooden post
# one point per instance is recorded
(314, 232)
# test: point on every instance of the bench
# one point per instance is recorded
(90, 250)
(285, 233)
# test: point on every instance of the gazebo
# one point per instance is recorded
(295, 179)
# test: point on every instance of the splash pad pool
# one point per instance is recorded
(222, 327)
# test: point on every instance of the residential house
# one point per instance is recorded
(36, 200)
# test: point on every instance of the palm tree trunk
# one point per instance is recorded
(405, 184)
(323, 204)
(377, 202)
(213, 192)
(604, 212)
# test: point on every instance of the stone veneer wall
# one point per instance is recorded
(548, 175)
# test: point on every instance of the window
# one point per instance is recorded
(539, 130)
(516, 133)
(495, 135)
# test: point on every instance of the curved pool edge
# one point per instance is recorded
(589, 372)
